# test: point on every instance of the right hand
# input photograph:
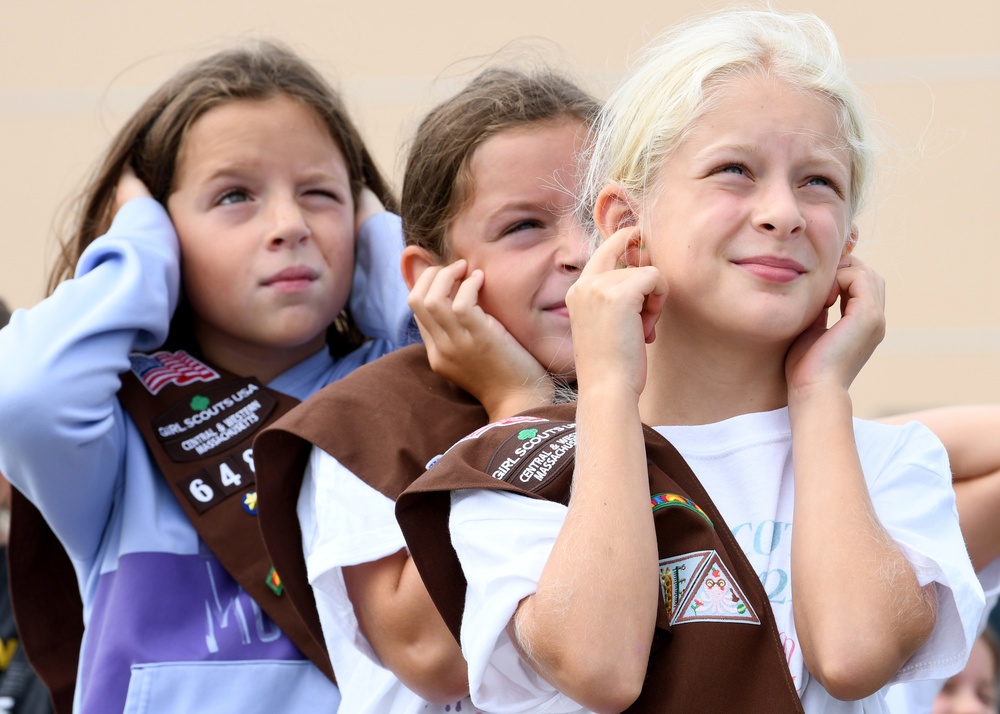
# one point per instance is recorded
(471, 348)
(613, 312)
(129, 186)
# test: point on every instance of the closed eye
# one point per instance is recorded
(326, 193)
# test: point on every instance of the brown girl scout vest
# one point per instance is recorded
(385, 421)
(209, 468)
(716, 646)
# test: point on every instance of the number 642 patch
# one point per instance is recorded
(218, 481)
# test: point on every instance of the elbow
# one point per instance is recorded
(605, 685)
(849, 679)
(855, 668)
(435, 672)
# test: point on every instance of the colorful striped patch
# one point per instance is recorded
(664, 500)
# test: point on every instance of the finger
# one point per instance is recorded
(445, 283)
(653, 305)
(418, 293)
(609, 253)
(466, 302)
(417, 300)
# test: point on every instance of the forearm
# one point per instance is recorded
(978, 502)
(968, 433)
(589, 626)
(400, 621)
(841, 554)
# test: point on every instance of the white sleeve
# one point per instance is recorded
(378, 292)
(914, 499)
(503, 541)
(344, 521)
(63, 437)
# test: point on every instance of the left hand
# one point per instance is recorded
(834, 355)
(470, 347)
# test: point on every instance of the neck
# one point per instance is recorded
(701, 379)
(263, 362)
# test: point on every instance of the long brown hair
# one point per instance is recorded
(152, 139)
(436, 183)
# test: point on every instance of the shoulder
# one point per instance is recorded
(883, 447)
(532, 453)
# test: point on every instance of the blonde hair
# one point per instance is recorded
(647, 118)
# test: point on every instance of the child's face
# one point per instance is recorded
(974, 689)
(520, 231)
(749, 218)
(263, 208)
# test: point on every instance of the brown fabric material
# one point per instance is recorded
(694, 666)
(46, 601)
(384, 422)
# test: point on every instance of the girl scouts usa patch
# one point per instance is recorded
(697, 587)
(535, 454)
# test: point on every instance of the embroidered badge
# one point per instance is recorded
(697, 587)
(159, 369)
(531, 457)
(274, 582)
(660, 501)
(250, 502)
(210, 422)
(225, 477)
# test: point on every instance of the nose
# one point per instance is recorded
(574, 246)
(777, 211)
(287, 225)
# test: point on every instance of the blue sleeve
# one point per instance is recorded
(63, 437)
(378, 293)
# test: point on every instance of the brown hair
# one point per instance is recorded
(436, 184)
(152, 140)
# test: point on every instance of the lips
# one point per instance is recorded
(772, 268)
(558, 308)
(293, 278)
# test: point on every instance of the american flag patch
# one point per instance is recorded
(159, 369)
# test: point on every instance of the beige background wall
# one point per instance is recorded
(71, 72)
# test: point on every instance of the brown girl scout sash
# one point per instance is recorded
(385, 421)
(198, 423)
(716, 646)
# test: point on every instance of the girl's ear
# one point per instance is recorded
(614, 210)
(414, 261)
(852, 239)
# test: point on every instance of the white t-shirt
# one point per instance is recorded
(503, 541)
(344, 522)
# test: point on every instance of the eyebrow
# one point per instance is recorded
(238, 169)
(824, 156)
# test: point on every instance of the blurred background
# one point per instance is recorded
(72, 72)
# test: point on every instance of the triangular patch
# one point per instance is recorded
(712, 595)
(676, 575)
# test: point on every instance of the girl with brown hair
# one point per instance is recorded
(206, 288)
